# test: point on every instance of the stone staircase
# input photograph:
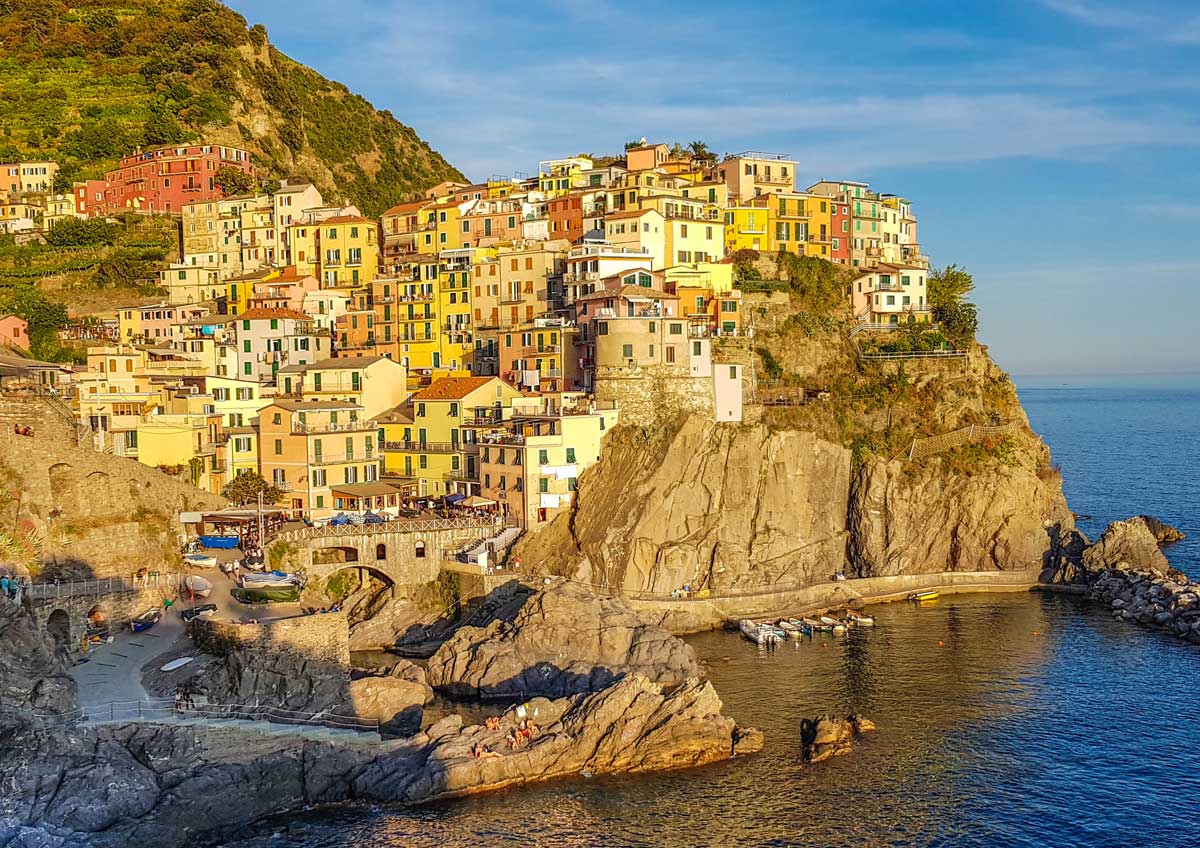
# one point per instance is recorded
(500, 542)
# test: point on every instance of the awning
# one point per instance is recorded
(371, 489)
(456, 497)
(475, 500)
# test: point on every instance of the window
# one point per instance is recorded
(543, 484)
(627, 351)
(571, 483)
(543, 457)
(318, 477)
(696, 348)
(381, 551)
(733, 375)
(279, 447)
(570, 455)
(670, 351)
(675, 329)
(419, 551)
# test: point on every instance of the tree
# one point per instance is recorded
(81, 232)
(233, 182)
(245, 489)
(949, 284)
(700, 151)
(45, 317)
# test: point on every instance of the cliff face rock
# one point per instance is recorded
(166, 785)
(716, 506)
(906, 520)
(1128, 544)
(33, 679)
(563, 640)
(1164, 534)
(284, 680)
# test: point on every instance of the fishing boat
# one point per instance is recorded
(760, 634)
(799, 623)
(267, 594)
(930, 595)
(815, 625)
(198, 586)
(269, 579)
(200, 561)
(146, 620)
(833, 624)
(860, 620)
(790, 629)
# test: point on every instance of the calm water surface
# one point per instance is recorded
(1038, 721)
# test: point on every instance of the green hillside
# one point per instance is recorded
(84, 82)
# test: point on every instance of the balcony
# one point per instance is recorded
(773, 179)
(534, 350)
(420, 297)
(302, 428)
(466, 475)
(326, 459)
(432, 447)
(491, 419)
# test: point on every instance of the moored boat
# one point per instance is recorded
(815, 625)
(860, 620)
(760, 634)
(930, 595)
(146, 620)
(800, 624)
(790, 629)
(198, 586)
(833, 624)
(270, 578)
(200, 561)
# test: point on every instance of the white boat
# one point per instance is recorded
(200, 561)
(198, 586)
(860, 620)
(269, 578)
(174, 664)
(802, 625)
(833, 623)
(760, 634)
(790, 629)
(814, 625)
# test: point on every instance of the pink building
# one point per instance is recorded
(14, 331)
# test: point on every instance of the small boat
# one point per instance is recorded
(930, 595)
(790, 629)
(200, 561)
(268, 579)
(203, 610)
(198, 586)
(174, 664)
(814, 625)
(860, 620)
(267, 594)
(800, 624)
(146, 620)
(760, 634)
(833, 624)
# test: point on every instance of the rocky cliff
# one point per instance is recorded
(885, 476)
(33, 679)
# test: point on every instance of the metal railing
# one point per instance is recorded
(432, 447)
(915, 354)
(164, 710)
(95, 587)
(400, 525)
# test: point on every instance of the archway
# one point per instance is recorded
(361, 591)
(58, 628)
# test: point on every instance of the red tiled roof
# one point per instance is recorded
(346, 219)
(452, 388)
(401, 208)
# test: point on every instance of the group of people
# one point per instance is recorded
(517, 737)
(20, 430)
(11, 587)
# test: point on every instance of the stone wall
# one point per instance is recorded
(324, 637)
(119, 607)
(646, 394)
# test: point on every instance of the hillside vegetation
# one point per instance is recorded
(83, 83)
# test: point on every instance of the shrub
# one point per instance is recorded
(771, 367)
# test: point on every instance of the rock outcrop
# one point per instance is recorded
(1164, 534)
(167, 785)
(1126, 544)
(826, 736)
(282, 680)
(33, 678)
(562, 640)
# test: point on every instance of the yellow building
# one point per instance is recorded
(440, 449)
(239, 452)
(820, 227)
(747, 228)
(375, 383)
(441, 227)
(235, 402)
(346, 251)
(239, 289)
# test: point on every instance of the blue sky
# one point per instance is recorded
(1050, 146)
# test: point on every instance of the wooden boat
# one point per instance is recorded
(146, 620)
(805, 630)
(930, 595)
(815, 625)
(833, 624)
(198, 586)
(860, 620)
(790, 629)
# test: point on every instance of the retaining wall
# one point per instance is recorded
(321, 636)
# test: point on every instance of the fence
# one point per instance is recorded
(402, 525)
(957, 438)
(915, 354)
(98, 586)
(164, 710)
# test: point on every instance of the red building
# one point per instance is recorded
(161, 180)
(566, 217)
(839, 223)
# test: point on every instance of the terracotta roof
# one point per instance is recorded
(263, 314)
(401, 208)
(452, 388)
(300, 405)
(629, 291)
(629, 213)
(344, 362)
(400, 414)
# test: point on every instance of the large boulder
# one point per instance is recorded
(826, 736)
(395, 703)
(563, 640)
(1129, 544)
(33, 678)
(1164, 534)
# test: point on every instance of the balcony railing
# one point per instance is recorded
(431, 447)
(326, 459)
(539, 350)
(305, 428)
